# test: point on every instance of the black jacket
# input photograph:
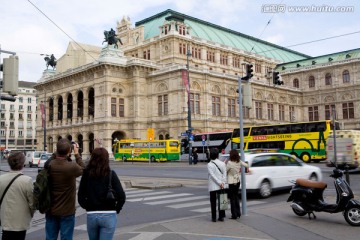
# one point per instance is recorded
(92, 193)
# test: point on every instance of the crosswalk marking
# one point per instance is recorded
(202, 210)
(177, 200)
(148, 194)
(158, 197)
(147, 236)
(190, 204)
(136, 190)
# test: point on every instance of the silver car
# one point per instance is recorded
(42, 160)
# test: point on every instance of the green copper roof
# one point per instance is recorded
(221, 35)
(333, 57)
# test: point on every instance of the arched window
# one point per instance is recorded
(328, 80)
(311, 82)
(91, 99)
(60, 108)
(51, 109)
(80, 104)
(296, 83)
(346, 76)
(69, 109)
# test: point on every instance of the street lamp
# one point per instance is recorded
(188, 54)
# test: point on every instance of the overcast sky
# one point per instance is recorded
(31, 27)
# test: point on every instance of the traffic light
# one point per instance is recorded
(10, 70)
(276, 79)
(249, 71)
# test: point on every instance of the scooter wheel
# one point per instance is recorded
(298, 212)
(352, 216)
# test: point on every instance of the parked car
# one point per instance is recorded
(32, 157)
(270, 171)
(42, 160)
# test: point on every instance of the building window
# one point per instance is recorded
(311, 82)
(2, 115)
(292, 113)
(257, 68)
(20, 116)
(281, 112)
(113, 107)
(146, 54)
(182, 48)
(2, 124)
(314, 113)
(21, 107)
(29, 100)
(29, 116)
(328, 111)
(2, 106)
(270, 111)
(231, 107)
(258, 110)
(20, 99)
(20, 133)
(296, 83)
(163, 105)
(29, 108)
(348, 110)
(2, 133)
(11, 115)
(215, 106)
(223, 59)
(195, 103)
(328, 80)
(236, 62)
(210, 56)
(182, 30)
(12, 107)
(121, 107)
(196, 52)
(246, 112)
(12, 134)
(346, 76)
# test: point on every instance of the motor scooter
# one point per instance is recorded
(307, 197)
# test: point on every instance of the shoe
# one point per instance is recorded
(221, 219)
(233, 218)
(214, 220)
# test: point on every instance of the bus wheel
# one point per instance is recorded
(152, 159)
(124, 159)
(305, 157)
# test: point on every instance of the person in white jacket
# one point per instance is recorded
(217, 181)
(17, 207)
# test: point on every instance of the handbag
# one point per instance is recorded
(110, 194)
(223, 200)
(8, 186)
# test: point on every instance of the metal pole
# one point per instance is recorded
(44, 122)
(243, 179)
(334, 135)
(188, 54)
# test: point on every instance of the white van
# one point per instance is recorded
(32, 158)
(347, 149)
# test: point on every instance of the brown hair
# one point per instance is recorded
(16, 161)
(63, 147)
(98, 165)
(234, 155)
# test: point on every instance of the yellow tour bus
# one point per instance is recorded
(143, 150)
(305, 140)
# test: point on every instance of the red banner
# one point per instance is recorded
(42, 110)
(185, 79)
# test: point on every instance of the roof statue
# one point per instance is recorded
(50, 61)
(111, 38)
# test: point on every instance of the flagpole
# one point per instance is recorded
(190, 137)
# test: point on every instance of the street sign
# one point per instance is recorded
(203, 142)
(191, 138)
(150, 134)
(184, 134)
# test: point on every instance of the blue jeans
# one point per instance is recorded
(64, 225)
(101, 226)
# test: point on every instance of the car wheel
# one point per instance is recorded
(30, 164)
(352, 216)
(313, 177)
(265, 189)
(305, 157)
(124, 159)
(152, 159)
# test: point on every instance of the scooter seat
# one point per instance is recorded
(311, 184)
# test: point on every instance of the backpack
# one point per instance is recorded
(41, 192)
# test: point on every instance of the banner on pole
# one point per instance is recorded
(42, 110)
(185, 79)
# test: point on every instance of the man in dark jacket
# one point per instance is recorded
(63, 174)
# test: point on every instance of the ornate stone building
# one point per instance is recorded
(98, 95)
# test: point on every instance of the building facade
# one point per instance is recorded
(99, 95)
(18, 119)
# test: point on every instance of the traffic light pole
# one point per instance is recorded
(188, 54)
(243, 179)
